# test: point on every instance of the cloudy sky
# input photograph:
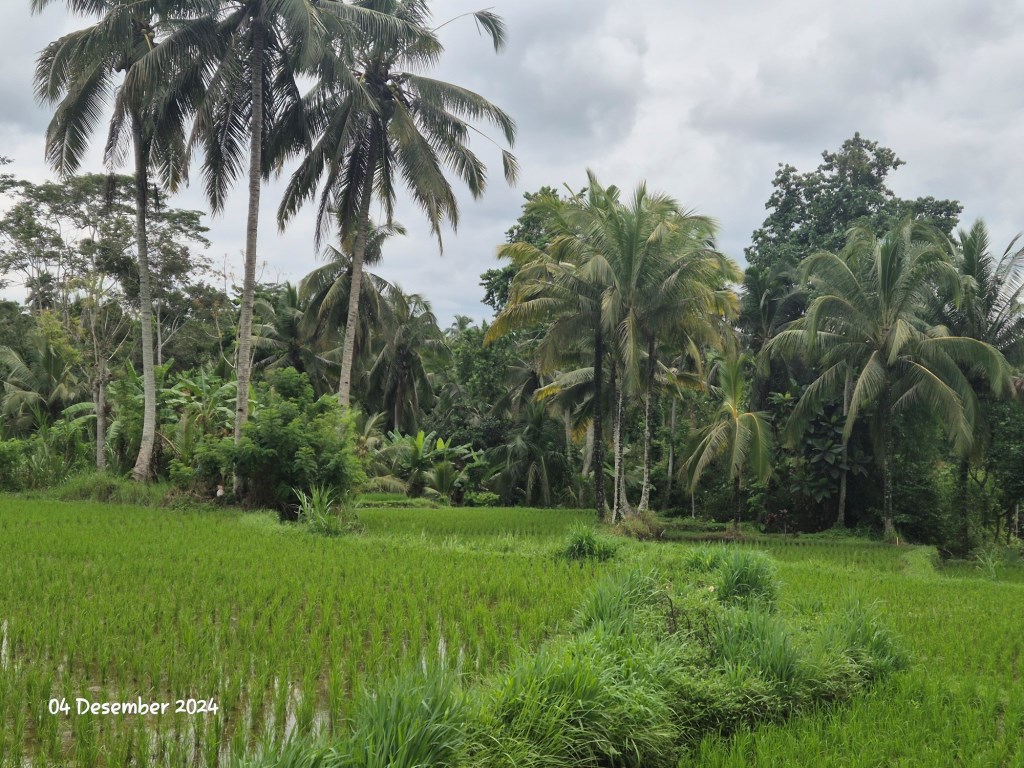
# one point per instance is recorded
(702, 98)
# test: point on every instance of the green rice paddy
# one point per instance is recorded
(280, 629)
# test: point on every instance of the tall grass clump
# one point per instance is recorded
(598, 699)
(417, 720)
(760, 642)
(583, 543)
(857, 633)
(616, 601)
(701, 560)
(745, 575)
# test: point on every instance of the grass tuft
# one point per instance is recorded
(583, 543)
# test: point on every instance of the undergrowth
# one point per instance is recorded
(108, 487)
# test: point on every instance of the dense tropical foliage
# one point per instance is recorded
(629, 365)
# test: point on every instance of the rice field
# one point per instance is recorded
(275, 626)
(279, 629)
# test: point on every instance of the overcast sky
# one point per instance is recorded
(702, 98)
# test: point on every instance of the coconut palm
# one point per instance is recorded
(39, 386)
(282, 340)
(325, 290)
(867, 322)
(78, 73)
(375, 120)
(669, 287)
(743, 438)
(560, 288)
(532, 458)
(396, 378)
(989, 310)
(249, 56)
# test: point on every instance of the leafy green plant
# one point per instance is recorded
(321, 512)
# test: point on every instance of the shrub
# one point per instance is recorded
(12, 465)
(583, 543)
(482, 499)
(292, 440)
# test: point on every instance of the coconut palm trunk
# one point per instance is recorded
(243, 361)
(847, 395)
(144, 461)
(645, 493)
(251, 230)
(622, 508)
(889, 529)
(737, 497)
(671, 455)
(963, 497)
(598, 434)
(100, 399)
(355, 286)
(613, 384)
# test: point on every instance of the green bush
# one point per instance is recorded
(583, 543)
(482, 499)
(12, 465)
(291, 441)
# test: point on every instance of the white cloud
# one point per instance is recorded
(703, 99)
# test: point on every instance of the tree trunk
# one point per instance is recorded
(962, 492)
(588, 452)
(737, 501)
(841, 511)
(100, 399)
(622, 508)
(645, 493)
(355, 284)
(598, 454)
(570, 464)
(144, 461)
(243, 362)
(616, 496)
(671, 454)
(889, 529)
